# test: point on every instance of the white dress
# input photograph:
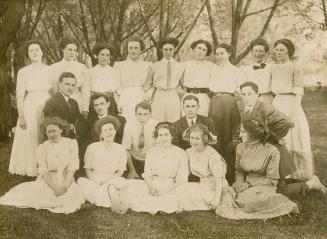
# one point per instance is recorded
(131, 79)
(165, 168)
(104, 161)
(34, 83)
(55, 159)
(208, 165)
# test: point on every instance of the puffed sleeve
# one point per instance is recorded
(217, 166)
(123, 159)
(88, 158)
(41, 155)
(298, 81)
(273, 167)
(183, 170)
(148, 164)
(74, 160)
(86, 88)
(127, 138)
(239, 173)
(20, 88)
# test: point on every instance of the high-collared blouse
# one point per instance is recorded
(262, 77)
(103, 79)
(287, 78)
(157, 76)
(197, 74)
(131, 73)
(225, 78)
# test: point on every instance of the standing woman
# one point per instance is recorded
(33, 85)
(69, 63)
(287, 85)
(224, 83)
(162, 83)
(132, 75)
(103, 78)
(197, 74)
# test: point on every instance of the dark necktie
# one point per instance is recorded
(70, 103)
(261, 66)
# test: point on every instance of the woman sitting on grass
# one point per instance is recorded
(207, 170)
(257, 174)
(165, 170)
(104, 161)
(55, 188)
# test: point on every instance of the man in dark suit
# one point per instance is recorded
(191, 107)
(99, 108)
(61, 105)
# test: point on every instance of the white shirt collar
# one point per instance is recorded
(189, 121)
(65, 96)
(249, 108)
(166, 61)
(102, 116)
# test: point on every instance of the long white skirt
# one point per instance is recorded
(197, 196)
(39, 195)
(136, 195)
(129, 98)
(298, 138)
(204, 101)
(22, 158)
(94, 193)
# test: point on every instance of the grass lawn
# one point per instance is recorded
(94, 222)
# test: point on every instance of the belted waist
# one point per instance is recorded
(221, 93)
(266, 93)
(197, 90)
(164, 89)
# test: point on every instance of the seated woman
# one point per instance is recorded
(257, 174)
(207, 167)
(104, 161)
(54, 189)
(164, 171)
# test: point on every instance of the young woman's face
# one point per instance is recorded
(70, 52)
(108, 132)
(244, 135)
(221, 55)
(196, 140)
(164, 137)
(168, 51)
(281, 52)
(53, 132)
(35, 53)
(200, 51)
(104, 57)
(259, 53)
(134, 50)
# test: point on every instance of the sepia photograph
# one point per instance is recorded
(163, 119)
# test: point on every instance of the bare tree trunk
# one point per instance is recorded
(11, 19)
(325, 13)
(212, 24)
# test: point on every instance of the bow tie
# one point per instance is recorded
(261, 66)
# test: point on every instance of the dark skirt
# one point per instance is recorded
(226, 116)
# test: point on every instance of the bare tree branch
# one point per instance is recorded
(146, 23)
(268, 8)
(212, 24)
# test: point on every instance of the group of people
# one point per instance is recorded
(166, 136)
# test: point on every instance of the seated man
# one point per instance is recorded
(66, 108)
(278, 124)
(138, 138)
(99, 108)
(191, 107)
